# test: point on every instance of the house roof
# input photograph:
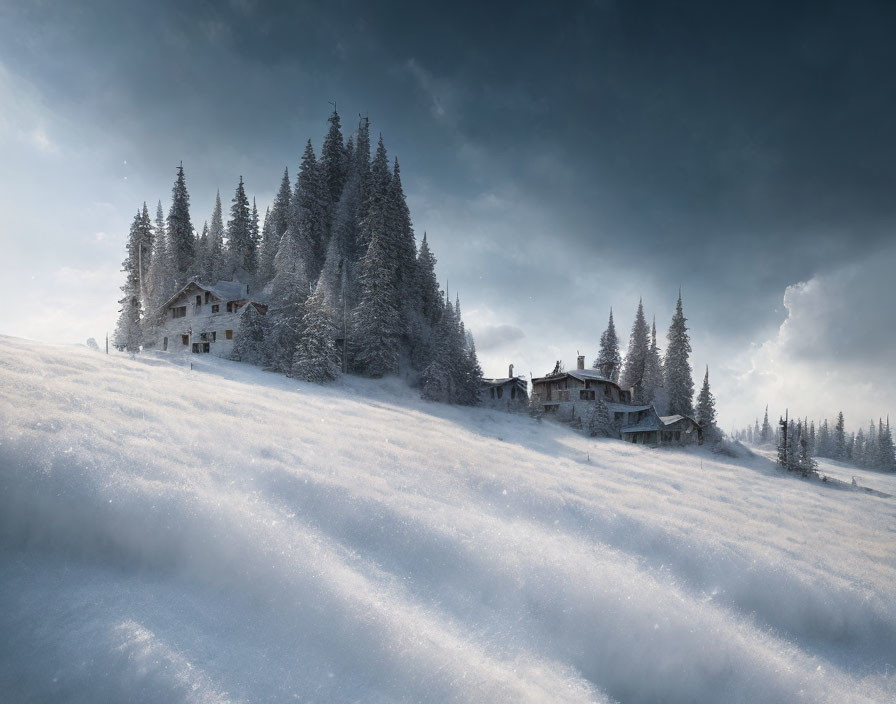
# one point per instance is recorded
(504, 380)
(581, 375)
(225, 290)
(624, 407)
(655, 422)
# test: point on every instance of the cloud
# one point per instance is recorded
(833, 351)
(491, 336)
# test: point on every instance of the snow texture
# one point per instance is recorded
(223, 534)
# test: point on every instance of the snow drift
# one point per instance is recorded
(223, 535)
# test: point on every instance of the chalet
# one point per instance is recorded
(203, 319)
(569, 395)
(654, 429)
(506, 394)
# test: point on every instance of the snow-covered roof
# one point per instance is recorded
(225, 290)
(504, 380)
(581, 375)
(624, 407)
(655, 422)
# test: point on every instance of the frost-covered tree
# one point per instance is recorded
(128, 331)
(249, 340)
(439, 379)
(636, 356)
(886, 454)
(377, 325)
(678, 383)
(333, 165)
(254, 235)
(597, 420)
(181, 240)
(202, 253)
(240, 241)
(309, 211)
(276, 220)
(317, 358)
(404, 245)
(652, 386)
(609, 361)
(840, 438)
(160, 276)
(765, 435)
(706, 409)
(215, 265)
(423, 320)
(290, 290)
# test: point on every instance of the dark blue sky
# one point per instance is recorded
(562, 159)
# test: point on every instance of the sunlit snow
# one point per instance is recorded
(222, 534)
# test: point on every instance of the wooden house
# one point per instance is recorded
(508, 393)
(203, 319)
(654, 429)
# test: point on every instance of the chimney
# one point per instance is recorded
(510, 372)
(580, 362)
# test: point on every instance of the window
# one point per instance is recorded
(606, 391)
(195, 347)
(230, 306)
(179, 312)
(586, 395)
(203, 336)
(185, 339)
(198, 301)
(617, 417)
(500, 392)
(228, 334)
(207, 296)
(205, 347)
(214, 335)
(215, 308)
(164, 343)
(512, 392)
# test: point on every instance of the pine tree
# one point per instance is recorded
(885, 448)
(467, 372)
(316, 358)
(203, 254)
(181, 240)
(276, 220)
(756, 431)
(334, 165)
(597, 420)
(652, 386)
(706, 409)
(216, 266)
(375, 219)
(376, 325)
(636, 357)
(309, 212)
(160, 275)
(254, 236)
(805, 462)
(249, 340)
(404, 244)
(783, 443)
(765, 435)
(439, 381)
(839, 438)
(240, 244)
(290, 290)
(128, 333)
(676, 366)
(609, 361)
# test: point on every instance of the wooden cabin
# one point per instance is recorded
(568, 395)
(654, 429)
(508, 393)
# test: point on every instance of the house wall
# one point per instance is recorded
(198, 319)
(507, 397)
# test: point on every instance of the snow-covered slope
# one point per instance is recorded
(223, 534)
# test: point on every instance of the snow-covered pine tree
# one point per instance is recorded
(376, 218)
(756, 432)
(217, 267)
(438, 380)
(240, 245)
(805, 462)
(181, 240)
(885, 449)
(128, 332)
(678, 383)
(652, 386)
(276, 220)
(254, 236)
(706, 410)
(160, 277)
(334, 165)
(317, 358)
(423, 320)
(765, 435)
(783, 441)
(309, 211)
(404, 242)
(147, 240)
(632, 375)
(203, 254)
(859, 456)
(249, 340)
(839, 447)
(376, 322)
(468, 373)
(290, 290)
(609, 361)
(597, 420)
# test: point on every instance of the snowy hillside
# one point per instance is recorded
(223, 534)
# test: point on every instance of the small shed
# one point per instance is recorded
(654, 429)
